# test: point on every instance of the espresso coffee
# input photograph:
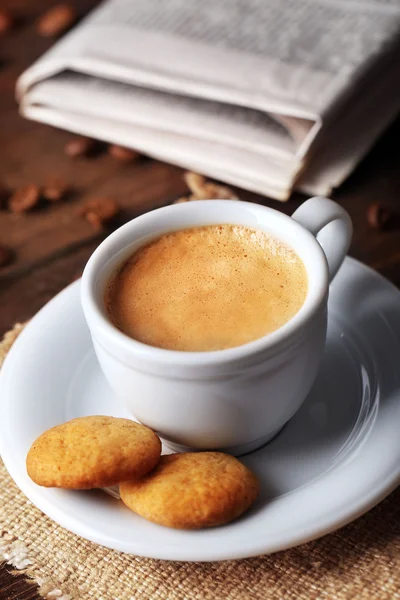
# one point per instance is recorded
(207, 288)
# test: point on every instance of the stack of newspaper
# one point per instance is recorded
(270, 95)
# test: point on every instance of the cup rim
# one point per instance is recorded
(98, 322)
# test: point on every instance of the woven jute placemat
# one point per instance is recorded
(359, 562)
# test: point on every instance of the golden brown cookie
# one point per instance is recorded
(91, 452)
(192, 490)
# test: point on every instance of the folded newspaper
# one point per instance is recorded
(269, 95)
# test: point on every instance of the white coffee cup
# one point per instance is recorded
(237, 399)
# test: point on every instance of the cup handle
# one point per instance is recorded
(332, 227)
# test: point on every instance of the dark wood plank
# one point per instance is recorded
(15, 586)
(37, 235)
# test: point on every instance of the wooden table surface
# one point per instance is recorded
(52, 243)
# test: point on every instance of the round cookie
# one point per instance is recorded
(91, 452)
(192, 490)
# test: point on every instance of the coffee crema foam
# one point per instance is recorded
(207, 288)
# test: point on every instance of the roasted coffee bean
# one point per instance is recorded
(99, 211)
(24, 198)
(122, 154)
(195, 182)
(56, 20)
(79, 146)
(219, 192)
(7, 21)
(205, 190)
(55, 190)
(378, 215)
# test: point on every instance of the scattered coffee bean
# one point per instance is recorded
(206, 190)
(6, 255)
(24, 198)
(7, 21)
(99, 211)
(195, 182)
(124, 155)
(378, 215)
(220, 192)
(55, 190)
(214, 191)
(79, 146)
(56, 20)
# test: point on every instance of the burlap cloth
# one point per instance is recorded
(359, 562)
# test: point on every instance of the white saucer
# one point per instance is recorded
(338, 457)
